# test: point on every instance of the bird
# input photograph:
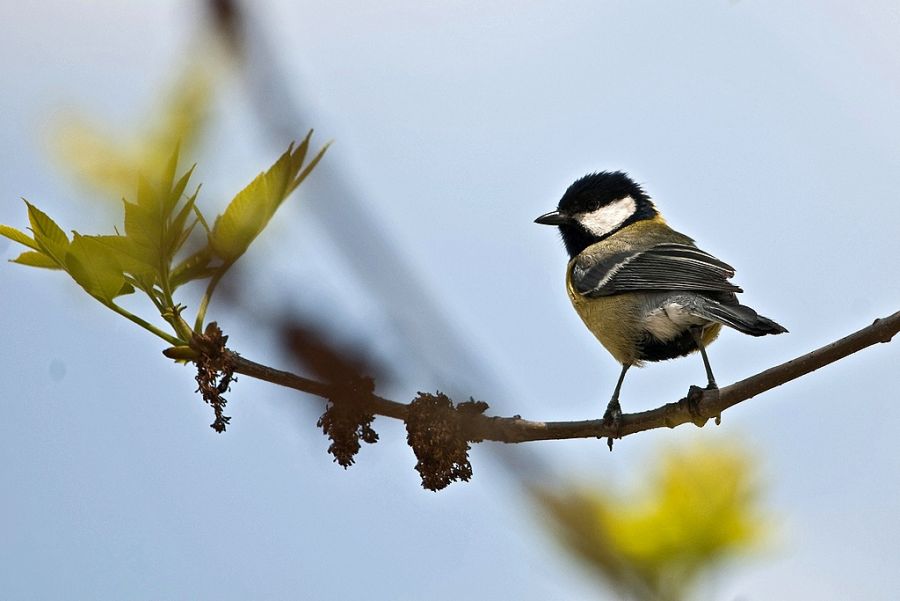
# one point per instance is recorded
(645, 291)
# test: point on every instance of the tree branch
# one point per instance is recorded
(699, 408)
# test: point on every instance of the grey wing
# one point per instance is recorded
(664, 267)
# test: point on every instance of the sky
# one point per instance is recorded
(767, 131)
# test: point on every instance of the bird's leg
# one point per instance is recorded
(695, 393)
(711, 379)
(698, 338)
(614, 410)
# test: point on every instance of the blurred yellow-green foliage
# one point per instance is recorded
(112, 162)
(696, 507)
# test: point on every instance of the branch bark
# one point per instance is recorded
(704, 405)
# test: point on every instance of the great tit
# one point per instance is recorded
(644, 290)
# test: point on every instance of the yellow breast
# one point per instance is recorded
(608, 318)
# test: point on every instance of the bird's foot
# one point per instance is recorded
(612, 418)
(713, 386)
(693, 398)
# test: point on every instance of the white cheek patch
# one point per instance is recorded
(608, 218)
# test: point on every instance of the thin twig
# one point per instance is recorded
(139, 321)
(709, 404)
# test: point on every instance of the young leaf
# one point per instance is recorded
(18, 236)
(179, 187)
(155, 232)
(177, 233)
(195, 267)
(202, 220)
(95, 268)
(168, 177)
(242, 221)
(250, 211)
(300, 153)
(147, 196)
(49, 236)
(132, 258)
(308, 169)
(35, 259)
(142, 227)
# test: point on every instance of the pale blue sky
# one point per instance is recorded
(768, 131)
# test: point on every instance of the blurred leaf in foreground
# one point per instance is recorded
(699, 507)
(111, 163)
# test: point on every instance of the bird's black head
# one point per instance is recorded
(596, 206)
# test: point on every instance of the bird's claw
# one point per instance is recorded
(713, 386)
(612, 418)
(694, 396)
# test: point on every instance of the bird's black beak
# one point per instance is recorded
(553, 218)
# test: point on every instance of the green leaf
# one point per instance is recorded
(308, 169)
(49, 236)
(168, 174)
(18, 236)
(177, 232)
(35, 259)
(147, 195)
(250, 211)
(178, 189)
(300, 153)
(151, 216)
(243, 220)
(152, 223)
(133, 258)
(95, 268)
(178, 243)
(143, 227)
(202, 220)
(195, 267)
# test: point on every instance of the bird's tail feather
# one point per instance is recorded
(742, 318)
